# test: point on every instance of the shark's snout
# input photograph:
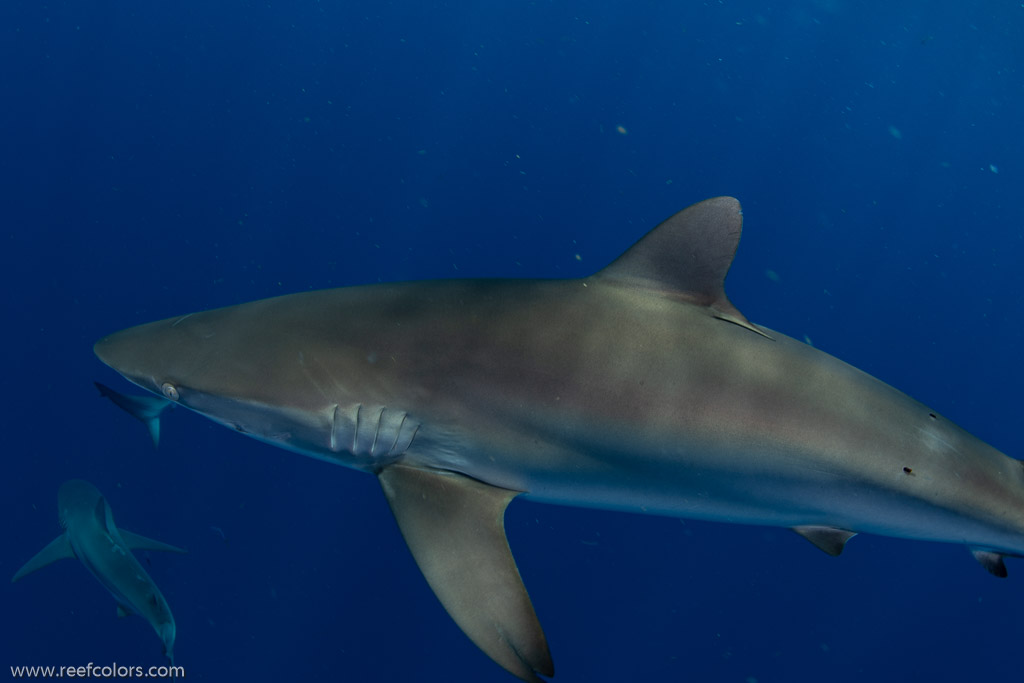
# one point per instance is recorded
(122, 354)
(105, 350)
(121, 350)
(140, 353)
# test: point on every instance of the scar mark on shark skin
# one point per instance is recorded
(935, 441)
(314, 364)
(182, 319)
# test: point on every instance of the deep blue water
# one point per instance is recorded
(161, 158)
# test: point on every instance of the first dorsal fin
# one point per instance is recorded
(687, 256)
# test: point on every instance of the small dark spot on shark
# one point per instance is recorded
(907, 470)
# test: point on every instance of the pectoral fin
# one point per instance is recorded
(137, 542)
(146, 409)
(57, 549)
(455, 528)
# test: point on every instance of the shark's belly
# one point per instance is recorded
(778, 458)
(775, 489)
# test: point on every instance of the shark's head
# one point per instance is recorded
(218, 363)
(169, 357)
(253, 368)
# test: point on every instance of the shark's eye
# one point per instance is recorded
(169, 391)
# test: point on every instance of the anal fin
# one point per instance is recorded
(829, 539)
(455, 528)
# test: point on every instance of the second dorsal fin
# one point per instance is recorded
(827, 538)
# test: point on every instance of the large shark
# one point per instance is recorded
(639, 388)
(91, 536)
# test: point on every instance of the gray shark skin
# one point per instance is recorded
(639, 388)
(91, 536)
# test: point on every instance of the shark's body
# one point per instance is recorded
(91, 536)
(639, 388)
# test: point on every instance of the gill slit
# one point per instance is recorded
(376, 433)
(334, 430)
(415, 431)
(355, 432)
(398, 435)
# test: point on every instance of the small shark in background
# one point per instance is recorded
(91, 536)
(639, 388)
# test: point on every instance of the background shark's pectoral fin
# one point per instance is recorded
(146, 409)
(123, 611)
(137, 542)
(57, 549)
(455, 528)
(827, 538)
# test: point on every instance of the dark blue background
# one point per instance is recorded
(161, 158)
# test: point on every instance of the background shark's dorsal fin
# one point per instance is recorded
(138, 542)
(57, 549)
(687, 256)
(455, 528)
(104, 515)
